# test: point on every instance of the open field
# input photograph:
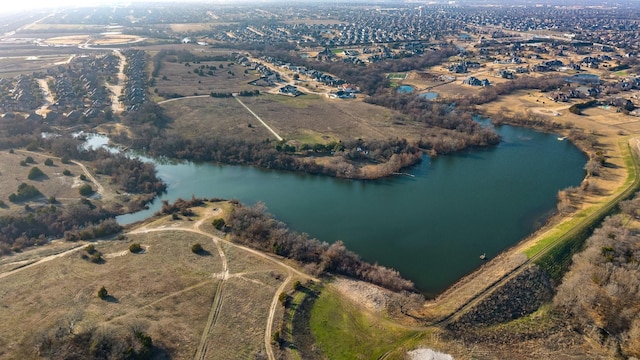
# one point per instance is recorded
(188, 303)
(50, 28)
(53, 183)
(213, 117)
(176, 78)
(167, 289)
(344, 330)
(13, 66)
(309, 118)
(312, 116)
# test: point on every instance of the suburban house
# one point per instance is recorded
(474, 81)
(290, 90)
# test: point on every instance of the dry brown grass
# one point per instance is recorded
(239, 331)
(13, 66)
(152, 287)
(166, 290)
(183, 81)
(307, 117)
(54, 183)
(213, 117)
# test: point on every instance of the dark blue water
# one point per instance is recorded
(432, 227)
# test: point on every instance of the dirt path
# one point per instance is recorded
(96, 183)
(42, 261)
(99, 188)
(183, 98)
(216, 304)
(272, 313)
(257, 117)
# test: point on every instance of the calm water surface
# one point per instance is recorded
(432, 227)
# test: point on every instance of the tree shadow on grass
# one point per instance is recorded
(111, 299)
(203, 252)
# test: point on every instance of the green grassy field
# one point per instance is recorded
(345, 331)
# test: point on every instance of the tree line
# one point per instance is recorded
(255, 227)
(388, 155)
(82, 220)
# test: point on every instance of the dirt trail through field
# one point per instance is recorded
(217, 302)
(99, 188)
(42, 261)
(258, 117)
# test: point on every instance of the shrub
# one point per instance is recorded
(197, 248)
(64, 160)
(90, 249)
(29, 160)
(35, 173)
(102, 293)
(23, 163)
(96, 258)
(218, 224)
(66, 172)
(25, 191)
(48, 162)
(52, 200)
(135, 248)
(86, 190)
(83, 177)
(2, 203)
(11, 151)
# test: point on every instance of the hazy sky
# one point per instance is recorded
(12, 5)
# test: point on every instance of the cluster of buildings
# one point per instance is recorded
(136, 84)
(23, 94)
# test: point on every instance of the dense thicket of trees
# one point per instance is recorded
(451, 128)
(61, 342)
(600, 293)
(82, 220)
(254, 226)
(131, 174)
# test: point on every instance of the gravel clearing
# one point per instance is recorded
(371, 296)
(428, 354)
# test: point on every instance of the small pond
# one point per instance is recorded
(405, 89)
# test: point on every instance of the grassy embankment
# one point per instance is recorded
(553, 252)
(344, 331)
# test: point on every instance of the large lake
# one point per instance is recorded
(432, 227)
